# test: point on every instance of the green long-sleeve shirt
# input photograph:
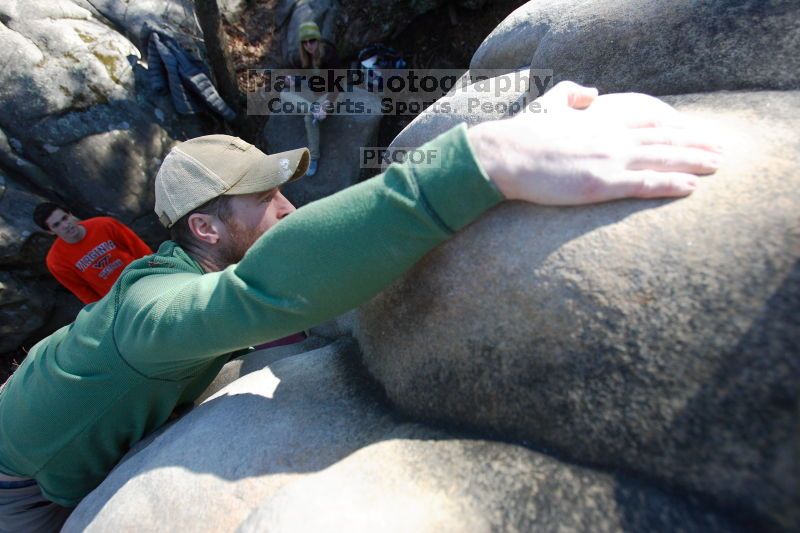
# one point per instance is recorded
(92, 389)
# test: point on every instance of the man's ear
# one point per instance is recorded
(204, 227)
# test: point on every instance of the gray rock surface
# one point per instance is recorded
(341, 139)
(652, 46)
(26, 171)
(257, 360)
(24, 307)
(129, 16)
(24, 303)
(341, 326)
(21, 240)
(659, 337)
(70, 101)
(58, 57)
(654, 338)
(416, 479)
(312, 425)
(300, 415)
(232, 9)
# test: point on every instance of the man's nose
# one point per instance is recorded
(285, 207)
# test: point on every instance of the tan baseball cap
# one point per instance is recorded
(201, 169)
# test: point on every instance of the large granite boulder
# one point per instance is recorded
(652, 46)
(24, 302)
(22, 242)
(281, 438)
(258, 360)
(24, 307)
(71, 106)
(341, 138)
(417, 479)
(25, 171)
(299, 415)
(130, 16)
(658, 337)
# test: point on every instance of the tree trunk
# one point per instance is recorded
(222, 67)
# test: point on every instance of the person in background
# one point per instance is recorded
(315, 55)
(88, 256)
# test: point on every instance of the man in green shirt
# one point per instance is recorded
(240, 271)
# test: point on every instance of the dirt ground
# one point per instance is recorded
(250, 40)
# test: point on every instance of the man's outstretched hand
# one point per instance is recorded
(582, 148)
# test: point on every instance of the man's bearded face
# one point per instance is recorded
(240, 239)
(251, 216)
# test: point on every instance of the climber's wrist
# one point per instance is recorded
(487, 145)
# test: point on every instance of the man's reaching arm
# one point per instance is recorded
(320, 261)
(335, 254)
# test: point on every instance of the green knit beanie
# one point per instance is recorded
(308, 31)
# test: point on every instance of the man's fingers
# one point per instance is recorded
(568, 94)
(665, 158)
(581, 97)
(677, 137)
(662, 184)
(651, 184)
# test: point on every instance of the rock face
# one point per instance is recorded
(416, 479)
(341, 140)
(23, 309)
(24, 304)
(651, 46)
(21, 240)
(659, 337)
(70, 106)
(279, 439)
(299, 415)
(258, 360)
(129, 16)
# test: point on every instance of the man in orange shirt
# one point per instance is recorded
(88, 256)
